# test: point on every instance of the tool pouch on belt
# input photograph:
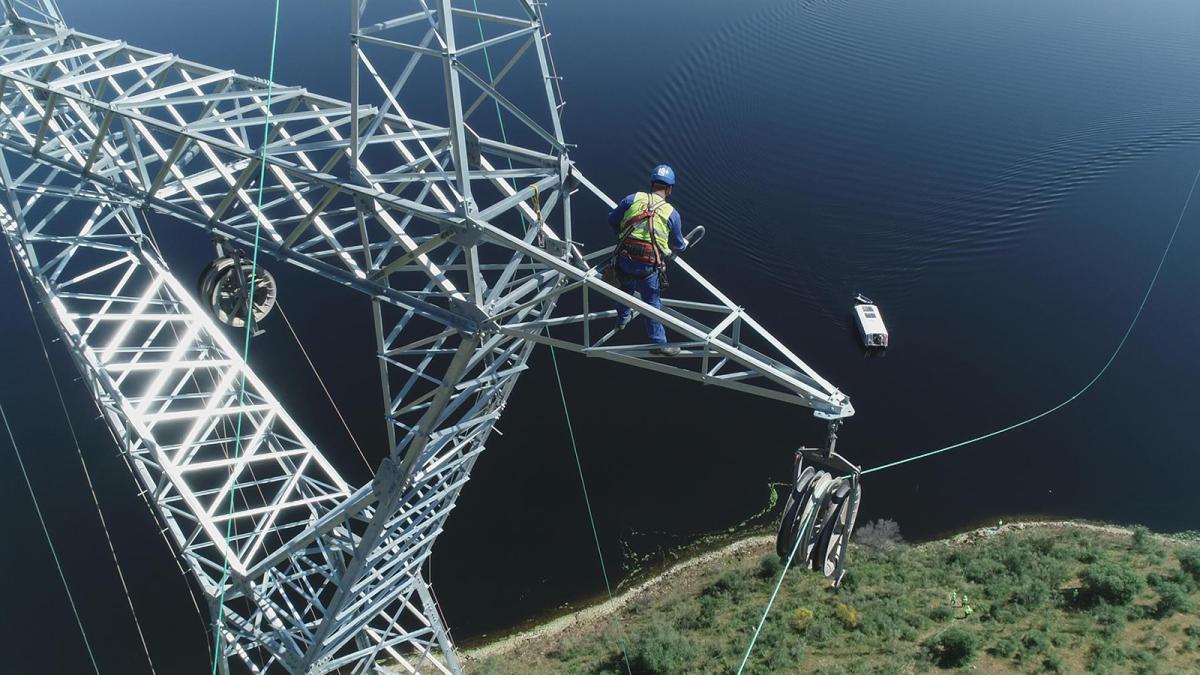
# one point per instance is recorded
(612, 275)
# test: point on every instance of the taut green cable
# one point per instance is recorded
(583, 484)
(554, 359)
(262, 176)
(1120, 345)
(800, 537)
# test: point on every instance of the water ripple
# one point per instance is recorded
(806, 118)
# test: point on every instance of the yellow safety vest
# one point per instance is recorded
(654, 228)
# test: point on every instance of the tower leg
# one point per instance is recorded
(439, 629)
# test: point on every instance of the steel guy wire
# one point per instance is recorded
(49, 542)
(328, 395)
(87, 474)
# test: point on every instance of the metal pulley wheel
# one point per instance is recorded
(226, 290)
(818, 519)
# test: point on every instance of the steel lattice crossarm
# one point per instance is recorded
(456, 223)
(177, 136)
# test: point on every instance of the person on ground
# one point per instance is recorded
(649, 231)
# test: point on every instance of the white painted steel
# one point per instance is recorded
(461, 240)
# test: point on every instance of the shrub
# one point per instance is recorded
(1034, 643)
(847, 615)
(1193, 641)
(982, 569)
(1177, 577)
(1142, 540)
(490, 666)
(880, 536)
(1111, 620)
(1144, 661)
(1159, 643)
(801, 618)
(1172, 598)
(820, 630)
(770, 567)
(941, 613)
(1004, 648)
(952, 648)
(778, 651)
(850, 581)
(888, 619)
(1053, 663)
(1111, 583)
(659, 648)
(730, 585)
(1033, 593)
(1189, 560)
(1089, 552)
(1105, 654)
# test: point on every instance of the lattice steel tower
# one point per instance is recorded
(459, 231)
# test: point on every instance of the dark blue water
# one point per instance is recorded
(1000, 176)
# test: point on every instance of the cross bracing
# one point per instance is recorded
(458, 230)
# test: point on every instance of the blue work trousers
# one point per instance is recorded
(642, 278)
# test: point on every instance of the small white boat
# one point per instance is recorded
(870, 323)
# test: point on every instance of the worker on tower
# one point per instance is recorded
(648, 233)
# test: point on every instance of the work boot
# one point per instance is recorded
(622, 323)
(665, 350)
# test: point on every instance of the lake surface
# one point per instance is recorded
(1001, 176)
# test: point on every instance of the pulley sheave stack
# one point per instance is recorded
(819, 514)
(225, 288)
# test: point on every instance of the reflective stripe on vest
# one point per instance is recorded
(659, 222)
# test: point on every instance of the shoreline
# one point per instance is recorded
(605, 609)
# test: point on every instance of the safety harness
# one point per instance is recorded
(637, 250)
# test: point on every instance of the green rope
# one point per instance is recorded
(49, 542)
(487, 60)
(800, 537)
(262, 176)
(583, 484)
(1120, 345)
(557, 375)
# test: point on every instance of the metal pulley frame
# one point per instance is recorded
(820, 511)
(225, 289)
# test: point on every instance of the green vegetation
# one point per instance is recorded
(1035, 599)
(1112, 583)
(952, 647)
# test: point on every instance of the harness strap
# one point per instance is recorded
(647, 213)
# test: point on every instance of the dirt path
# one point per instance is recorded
(991, 531)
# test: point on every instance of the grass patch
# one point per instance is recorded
(1041, 600)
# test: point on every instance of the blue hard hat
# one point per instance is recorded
(663, 174)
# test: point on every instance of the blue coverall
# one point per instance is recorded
(643, 277)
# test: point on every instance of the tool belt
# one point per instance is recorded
(616, 277)
(640, 251)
